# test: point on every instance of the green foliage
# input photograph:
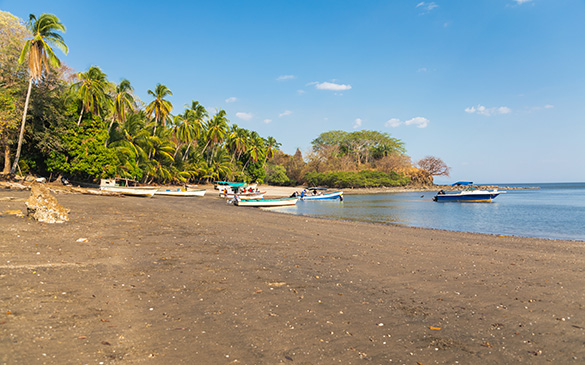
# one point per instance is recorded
(87, 156)
(255, 172)
(276, 175)
(362, 179)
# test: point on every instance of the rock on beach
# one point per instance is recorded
(43, 207)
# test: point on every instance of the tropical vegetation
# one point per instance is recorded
(84, 126)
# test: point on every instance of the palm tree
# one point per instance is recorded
(122, 100)
(40, 55)
(271, 146)
(92, 90)
(159, 106)
(216, 130)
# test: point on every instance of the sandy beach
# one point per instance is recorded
(193, 280)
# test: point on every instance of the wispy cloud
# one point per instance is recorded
(284, 113)
(244, 116)
(357, 123)
(300, 91)
(419, 122)
(488, 112)
(426, 7)
(232, 99)
(520, 2)
(330, 86)
(285, 77)
(267, 121)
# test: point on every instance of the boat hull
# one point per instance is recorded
(131, 191)
(328, 196)
(280, 202)
(470, 198)
(180, 192)
(245, 196)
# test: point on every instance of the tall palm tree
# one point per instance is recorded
(271, 146)
(92, 89)
(216, 130)
(123, 100)
(159, 106)
(40, 55)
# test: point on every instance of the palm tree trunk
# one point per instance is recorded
(21, 136)
(186, 152)
(80, 116)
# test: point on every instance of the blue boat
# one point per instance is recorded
(320, 196)
(468, 193)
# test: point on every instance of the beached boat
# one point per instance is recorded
(232, 187)
(122, 186)
(246, 195)
(468, 193)
(276, 202)
(326, 196)
(180, 192)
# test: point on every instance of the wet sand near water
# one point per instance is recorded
(174, 280)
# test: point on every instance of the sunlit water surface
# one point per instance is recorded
(555, 211)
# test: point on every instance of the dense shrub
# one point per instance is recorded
(362, 179)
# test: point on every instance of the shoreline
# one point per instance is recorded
(178, 280)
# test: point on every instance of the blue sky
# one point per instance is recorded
(496, 88)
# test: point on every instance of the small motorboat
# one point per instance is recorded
(321, 196)
(122, 186)
(276, 202)
(468, 193)
(180, 192)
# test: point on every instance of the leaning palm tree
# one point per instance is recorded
(40, 55)
(159, 106)
(92, 89)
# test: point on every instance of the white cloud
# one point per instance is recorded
(244, 116)
(548, 106)
(394, 122)
(330, 86)
(520, 2)
(300, 91)
(232, 99)
(284, 113)
(419, 122)
(285, 77)
(357, 123)
(488, 112)
(427, 7)
(267, 121)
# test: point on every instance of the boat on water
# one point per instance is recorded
(180, 192)
(276, 202)
(127, 187)
(468, 193)
(317, 195)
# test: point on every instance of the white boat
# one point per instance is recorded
(113, 186)
(277, 202)
(180, 192)
(320, 196)
(469, 193)
(244, 196)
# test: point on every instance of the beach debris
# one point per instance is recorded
(43, 207)
(82, 239)
(17, 213)
(433, 328)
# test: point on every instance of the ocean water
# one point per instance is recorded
(554, 211)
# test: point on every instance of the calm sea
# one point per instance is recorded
(556, 211)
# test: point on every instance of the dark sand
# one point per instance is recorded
(195, 281)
